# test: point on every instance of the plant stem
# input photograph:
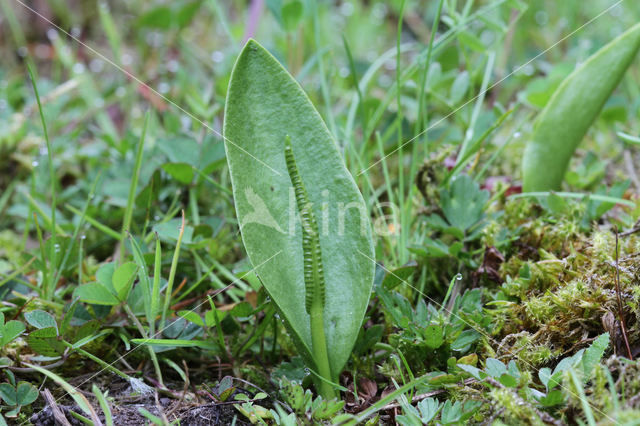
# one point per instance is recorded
(50, 286)
(97, 360)
(152, 354)
(126, 221)
(172, 274)
(319, 348)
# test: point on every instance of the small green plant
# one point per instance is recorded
(16, 394)
(279, 151)
(10, 330)
(571, 111)
(302, 407)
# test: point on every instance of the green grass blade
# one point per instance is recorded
(128, 213)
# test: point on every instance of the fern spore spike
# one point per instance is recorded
(313, 272)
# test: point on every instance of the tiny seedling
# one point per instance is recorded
(17, 395)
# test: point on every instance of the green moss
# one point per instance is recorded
(514, 411)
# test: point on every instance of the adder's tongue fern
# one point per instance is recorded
(313, 274)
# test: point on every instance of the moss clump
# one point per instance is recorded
(515, 412)
(559, 283)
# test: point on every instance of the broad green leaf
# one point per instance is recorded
(545, 375)
(459, 87)
(210, 317)
(434, 336)
(554, 397)
(169, 231)
(182, 172)
(44, 342)
(192, 317)
(65, 324)
(89, 328)
(26, 393)
(399, 275)
(143, 275)
(593, 354)
(508, 380)
(40, 319)
(123, 278)
(428, 409)
(451, 413)
(471, 41)
(264, 106)
(158, 17)
(243, 309)
(291, 14)
(96, 293)
(105, 274)
(464, 340)
(44, 332)
(474, 371)
(10, 331)
(8, 394)
(463, 202)
(572, 109)
(495, 368)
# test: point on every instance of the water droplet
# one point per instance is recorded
(469, 134)
(542, 18)
(459, 277)
(34, 163)
(164, 87)
(347, 9)
(96, 65)
(585, 44)
(528, 69)
(516, 135)
(56, 248)
(78, 68)
(76, 31)
(617, 11)
(217, 56)
(379, 11)
(173, 66)
(156, 218)
(385, 81)
(83, 237)
(344, 72)
(154, 39)
(52, 34)
(487, 37)
(277, 316)
(307, 371)
(22, 51)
